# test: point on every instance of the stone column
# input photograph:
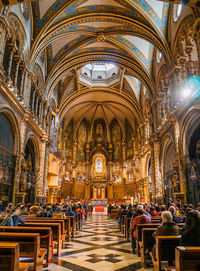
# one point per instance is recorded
(3, 37)
(155, 168)
(43, 114)
(17, 62)
(110, 164)
(41, 111)
(40, 191)
(36, 104)
(133, 144)
(33, 100)
(181, 169)
(22, 81)
(46, 166)
(123, 150)
(158, 183)
(10, 60)
(75, 146)
(87, 150)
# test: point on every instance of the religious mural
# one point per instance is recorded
(69, 139)
(116, 140)
(82, 139)
(129, 141)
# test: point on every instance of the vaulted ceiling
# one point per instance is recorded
(74, 33)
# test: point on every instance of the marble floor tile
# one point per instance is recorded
(98, 246)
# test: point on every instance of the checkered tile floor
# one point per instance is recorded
(98, 246)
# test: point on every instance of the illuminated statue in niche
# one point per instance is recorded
(98, 169)
(99, 164)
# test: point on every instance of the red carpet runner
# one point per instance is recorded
(99, 209)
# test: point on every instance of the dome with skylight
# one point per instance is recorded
(99, 73)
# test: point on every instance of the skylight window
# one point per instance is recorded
(100, 67)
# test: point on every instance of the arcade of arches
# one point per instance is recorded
(99, 99)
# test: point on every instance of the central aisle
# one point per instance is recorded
(98, 246)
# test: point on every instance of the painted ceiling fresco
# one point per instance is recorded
(75, 33)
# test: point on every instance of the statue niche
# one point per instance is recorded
(98, 170)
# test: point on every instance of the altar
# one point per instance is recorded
(99, 203)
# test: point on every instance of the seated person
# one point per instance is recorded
(175, 218)
(153, 211)
(46, 212)
(23, 210)
(168, 227)
(191, 231)
(68, 212)
(162, 209)
(141, 218)
(16, 217)
(34, 210)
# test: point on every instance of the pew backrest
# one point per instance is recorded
(187, 258)
(9, 256)
(165, 248)
(29, 243)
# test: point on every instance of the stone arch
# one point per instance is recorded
(167, 143)
(39, 79)
(190, 122)
(18, 33)
(30, 168)
(4, 109)
(183, 39)
(169, 168)
(147, 160)
(30, 136)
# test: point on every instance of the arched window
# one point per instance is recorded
(99, 165)
(177, 11)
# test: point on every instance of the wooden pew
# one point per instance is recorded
(72, 225)
(148, 225)
(187, 258)
(68, 226)
(127, 228)
(29, 246)
(9, 257)
(114, 213)
(123, 223)
(56, 231)
(50, 220)
(79, 220)
(46, 237)
(165, 250)
(147, 241)
(47, 220)
(139, 233)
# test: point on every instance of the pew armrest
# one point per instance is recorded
(24, 266)
(169, 268)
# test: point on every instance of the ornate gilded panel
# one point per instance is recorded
(69, 139)
(116, 135)
(82, 139)
(129, 136)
